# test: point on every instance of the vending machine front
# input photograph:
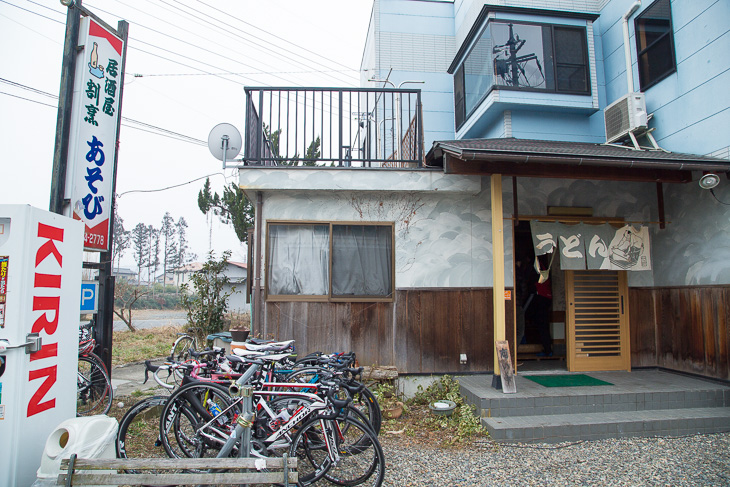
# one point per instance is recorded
(40, 284)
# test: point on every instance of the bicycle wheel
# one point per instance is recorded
(367, 404)
(197, 420)
(139, 429)
(94, 387)
(361, 460)
(364, 400)
(180, 351)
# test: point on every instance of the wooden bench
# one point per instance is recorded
(178, 471)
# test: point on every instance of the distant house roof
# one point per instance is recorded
(544, 158)
(191, 267)
(124, 271)
(242, 265)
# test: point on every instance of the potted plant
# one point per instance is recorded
(390, 406)
(239, 326)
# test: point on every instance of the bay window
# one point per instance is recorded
(521, 56)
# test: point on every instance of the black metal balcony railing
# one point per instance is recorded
(344, 127)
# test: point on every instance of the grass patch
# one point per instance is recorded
(460, 429)
(143, 344)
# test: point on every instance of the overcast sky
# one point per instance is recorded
(187, 64)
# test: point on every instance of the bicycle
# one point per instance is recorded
(94, 386)
(186, 341)
(330, 439)
(319, 367)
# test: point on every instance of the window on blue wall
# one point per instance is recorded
(329, 261)
(655, 43)
(522, 56)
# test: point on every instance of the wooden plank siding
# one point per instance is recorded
(682, 328)
(422, 331)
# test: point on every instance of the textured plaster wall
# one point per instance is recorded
(695, 247)
(441, 239)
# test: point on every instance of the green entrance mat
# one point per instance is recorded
(567, 380)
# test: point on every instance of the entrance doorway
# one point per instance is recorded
(541, 316)
(588, 314)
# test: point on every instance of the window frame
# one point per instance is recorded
(646, 84)
(468, 112)
(329, 297)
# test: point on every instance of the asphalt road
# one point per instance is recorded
(153, 318)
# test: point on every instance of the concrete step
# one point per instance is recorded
(605, 400)
(557, 428)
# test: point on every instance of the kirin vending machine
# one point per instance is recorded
(40, 284)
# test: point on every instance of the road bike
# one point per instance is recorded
(330, 439)
(94, 385)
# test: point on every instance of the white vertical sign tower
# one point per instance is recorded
(93, 131)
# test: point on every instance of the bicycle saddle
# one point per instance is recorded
(270, 347)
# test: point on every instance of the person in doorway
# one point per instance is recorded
(540, 307)
(523, 279)
(543, 303)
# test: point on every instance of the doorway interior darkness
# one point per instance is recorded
(525, 278)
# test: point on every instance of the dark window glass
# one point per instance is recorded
(571, 60)
(459, 110)
(655, 43)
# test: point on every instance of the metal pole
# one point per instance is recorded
(65, 102)
(245, 420)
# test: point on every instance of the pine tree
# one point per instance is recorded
(140, 244)
(121, 241)
(169, 246)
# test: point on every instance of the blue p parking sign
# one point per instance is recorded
(89, 294)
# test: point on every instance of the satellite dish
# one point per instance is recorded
(709, 181)
(224, 142)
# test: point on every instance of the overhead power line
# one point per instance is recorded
(126, 121)
(169, 187)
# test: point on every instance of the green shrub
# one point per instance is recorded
(463, 421)
(208, 304)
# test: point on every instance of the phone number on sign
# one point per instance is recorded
(93, 239)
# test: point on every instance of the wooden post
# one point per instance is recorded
(498, 264)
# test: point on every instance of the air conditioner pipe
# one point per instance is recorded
(627, 45)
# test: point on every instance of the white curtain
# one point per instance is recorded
(361, 260)
(298, 260)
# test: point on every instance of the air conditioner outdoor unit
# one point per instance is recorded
(625, 116)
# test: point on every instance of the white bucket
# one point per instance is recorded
(87, 437)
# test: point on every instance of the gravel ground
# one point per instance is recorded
(692, 461)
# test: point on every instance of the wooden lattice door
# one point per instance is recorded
(597, 320)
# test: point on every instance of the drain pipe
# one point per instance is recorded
(258, 302)
(627, 45)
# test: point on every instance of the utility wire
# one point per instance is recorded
(135, 39)
(177, 39)
(145, 127)
(119, 195)
(150, 75)
(236, 33)
(34, 13)
(282, 39)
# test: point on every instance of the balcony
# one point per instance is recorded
(333, 127)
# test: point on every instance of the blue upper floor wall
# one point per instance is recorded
(414, 41)
(423, 40)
